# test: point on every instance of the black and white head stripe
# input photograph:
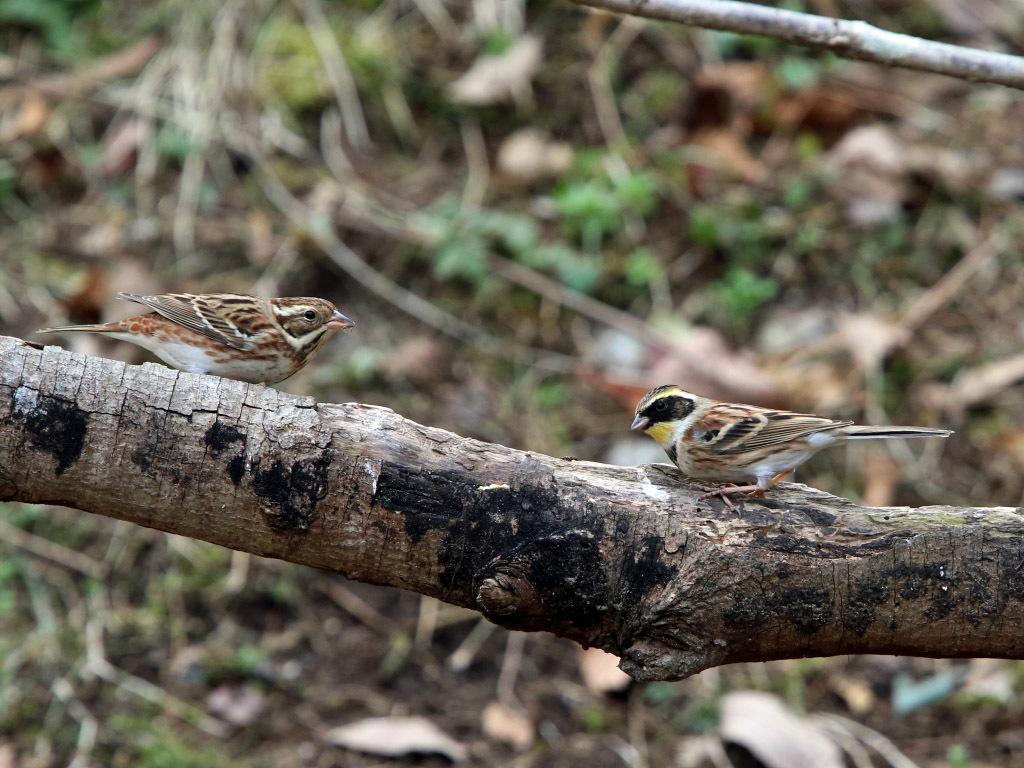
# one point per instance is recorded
(665, 403)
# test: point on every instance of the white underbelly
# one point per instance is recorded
(193, 359)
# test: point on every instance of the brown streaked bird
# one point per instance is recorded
(732, 443)
(250, 338)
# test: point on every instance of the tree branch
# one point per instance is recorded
(852, 39)
(626, 559)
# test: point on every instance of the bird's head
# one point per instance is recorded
(306, 320)
(659, 412)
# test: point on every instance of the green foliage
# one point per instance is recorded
(159, 747)
(660, 692)
(643, 268)
(247, 658)
(801, 70)
(701, 715)
(808, 146)
(8, 181)
(295, 74)
(796, 72)
(578, 271)
(399, 647)
(798, 193)
(52, 19)
(595, 208)
(10, 568)
(736, 229)
(740, 293)
(655, 97)
(464, 240)
(173, 143)
(594, 719)
(551, 394)
(731, 45)
(958, 756)
(497, 41)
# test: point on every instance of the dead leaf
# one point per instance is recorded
(870, 168)
(855, 693)
(870, 146)
(420, 359)
(64, 84)
(880, 476)
(743, 84)
(988, 21)
(989, 679)
(262, 246)
(1010, 446)
(729, 153)
(106, 237)
(706, 363)
(870, 339)
(121, 148)
(1006, 184)
(601, 673)
(762, 724)
(236, 704)
(530, 154)
(395, 737)
(494, 79)
(785, 329)
(511, 726)
(592, 33)
(33, 115)
(975, 385)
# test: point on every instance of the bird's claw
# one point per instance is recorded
(725, 491)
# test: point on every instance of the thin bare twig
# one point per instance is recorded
(51, 550)
(337, 72)
(599, 78)
(579, 302)
(952, 282)
(851, 39)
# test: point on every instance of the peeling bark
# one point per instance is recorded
(627, 559)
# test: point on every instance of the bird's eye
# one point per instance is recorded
(309, 314)
(661, 406)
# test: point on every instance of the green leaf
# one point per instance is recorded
(741, 292)
(643, 268)
(462, 255)
(797, 72)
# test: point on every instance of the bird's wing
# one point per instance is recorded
(202, 314)
(736, 429)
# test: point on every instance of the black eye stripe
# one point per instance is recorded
(670, 408)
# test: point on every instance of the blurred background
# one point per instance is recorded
(534, 213)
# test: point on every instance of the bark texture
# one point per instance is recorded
(625, 559)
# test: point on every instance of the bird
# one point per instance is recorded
(731, 443)
(251, 338)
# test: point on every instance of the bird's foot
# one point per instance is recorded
(725, 491)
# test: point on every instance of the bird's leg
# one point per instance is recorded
(776, 479)
(725, 491)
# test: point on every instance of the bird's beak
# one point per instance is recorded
(339, 322)
(641, 422)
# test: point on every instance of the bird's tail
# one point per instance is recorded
(870, 433)
(96, 328)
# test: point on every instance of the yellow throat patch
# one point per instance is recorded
(662, 432)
